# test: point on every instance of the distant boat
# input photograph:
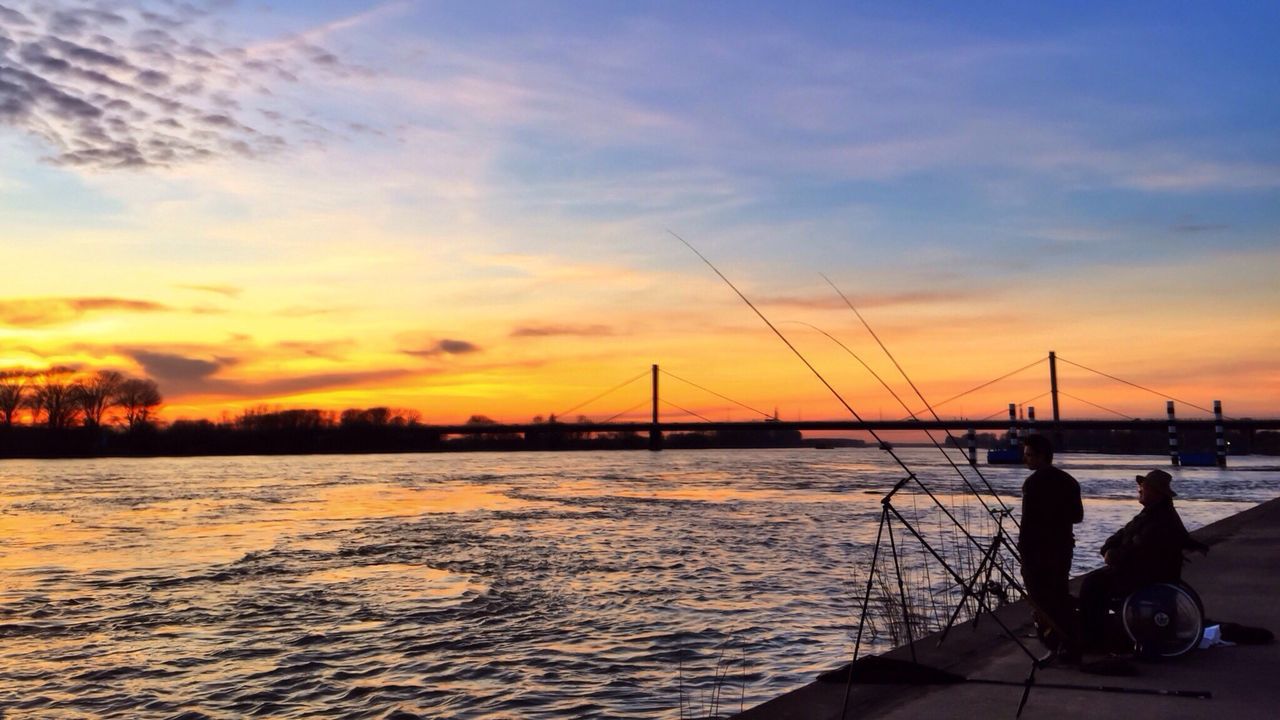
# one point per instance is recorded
(1198, 459)
(1004, 456)
(824, 446)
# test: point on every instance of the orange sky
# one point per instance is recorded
(405, 207)
(546, 338)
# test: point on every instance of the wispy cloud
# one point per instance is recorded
(561, 330)
(562, 270)
(1196, 228)
(297, 384)
(310, 39)
(444, 347)
(36, 312)
(135, 87)
(194, 373)
(832, 301)
(301, 311)
(230, 291)
(767, 102)
(180, 370)
(327, 350)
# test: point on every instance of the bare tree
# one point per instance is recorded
(139, 399)
(13, 394)
(53, 398)
(96, 395)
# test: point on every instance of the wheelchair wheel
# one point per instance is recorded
(1163, 620)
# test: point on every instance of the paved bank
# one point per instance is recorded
(1239, 581)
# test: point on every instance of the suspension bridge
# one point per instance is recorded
(1018, 418)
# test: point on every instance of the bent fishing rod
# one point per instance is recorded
(887, 501)
(1005, 508)
(988, 557)
(997, 514)
(911, 475)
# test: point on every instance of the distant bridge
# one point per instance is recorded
(1015, 424)
(1243, 424)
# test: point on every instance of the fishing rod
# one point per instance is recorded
(855, 356)
(998, 516)
(988, 557)
(991, 511)
(911, 475)
(1004, 509)
(886, 502)
(791, 347)
(920, 395)
(988, 383)
(1000, 531)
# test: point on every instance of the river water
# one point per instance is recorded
(525, 585)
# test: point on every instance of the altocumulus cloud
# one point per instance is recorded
(144, 85)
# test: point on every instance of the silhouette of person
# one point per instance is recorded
(1147, 550)
(1050, 507)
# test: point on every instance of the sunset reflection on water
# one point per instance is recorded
(477, 585)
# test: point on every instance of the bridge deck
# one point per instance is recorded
(961, 425)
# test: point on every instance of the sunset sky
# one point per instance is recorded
(464, 207)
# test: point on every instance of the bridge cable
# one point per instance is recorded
(683, 410)
(927, 433)
(985, 384)
(713, 392)
(1024, 402)
(606, 392)
(990, 489)
(624, 412)
(911, 475)
(886, 502)
(1166, 396)
(1106, 409)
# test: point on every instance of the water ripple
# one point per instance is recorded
(624, 585)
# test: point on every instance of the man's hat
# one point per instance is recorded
(1157, 479)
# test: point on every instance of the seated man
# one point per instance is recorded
(1145, 551)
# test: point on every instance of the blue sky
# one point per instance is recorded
(1086, 164)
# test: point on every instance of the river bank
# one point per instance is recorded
(1237, 582)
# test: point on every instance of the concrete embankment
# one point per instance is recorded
(1239, 582)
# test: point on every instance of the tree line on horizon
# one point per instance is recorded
(56, 399)
(108, 414)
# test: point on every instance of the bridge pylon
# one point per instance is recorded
(655, 434)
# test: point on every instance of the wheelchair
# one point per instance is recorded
(1163, 619)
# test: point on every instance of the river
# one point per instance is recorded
(529, 585)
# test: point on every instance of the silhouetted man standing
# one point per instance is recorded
(1050, 506)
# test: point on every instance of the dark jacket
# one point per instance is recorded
(1149, 548)
(1050, 506)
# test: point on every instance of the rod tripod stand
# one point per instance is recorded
(889, 513)
(978, 587)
